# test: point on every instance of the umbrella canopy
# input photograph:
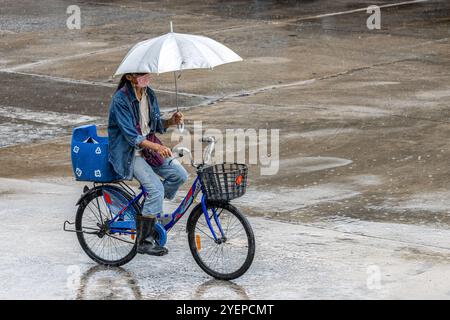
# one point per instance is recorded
(175, 52)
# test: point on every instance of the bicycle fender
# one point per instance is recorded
(86, 192)
(189, 220)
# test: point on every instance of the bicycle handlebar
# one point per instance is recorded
(208, 139)
(181, 151)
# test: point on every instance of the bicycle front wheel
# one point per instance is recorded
(231, 254)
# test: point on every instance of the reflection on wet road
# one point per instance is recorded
(103, 283)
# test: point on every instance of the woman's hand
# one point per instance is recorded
(177, 118)
(163, 151)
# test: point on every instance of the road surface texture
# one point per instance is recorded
(359, 207)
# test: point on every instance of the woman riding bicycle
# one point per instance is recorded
(134, 151)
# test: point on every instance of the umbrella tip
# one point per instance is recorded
(171, 26)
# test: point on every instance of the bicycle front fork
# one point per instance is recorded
(216, 220)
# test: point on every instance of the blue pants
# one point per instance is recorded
(173, 175)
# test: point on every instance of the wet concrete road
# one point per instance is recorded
(363, 184)
(343, 259)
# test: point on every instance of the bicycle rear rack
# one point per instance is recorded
(65, 228)
(125, 187)
(77, 231)
(70, 223)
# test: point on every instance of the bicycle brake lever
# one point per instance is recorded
(180, 155)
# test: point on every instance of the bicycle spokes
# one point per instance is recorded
(111, 236)
(228, 251)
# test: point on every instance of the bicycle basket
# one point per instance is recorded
(224, 182)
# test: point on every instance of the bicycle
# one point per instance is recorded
(220, 237)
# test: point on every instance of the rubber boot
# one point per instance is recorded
(146, 244)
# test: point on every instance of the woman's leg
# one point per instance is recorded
(153, 205)
(174, 175)
(144, 173)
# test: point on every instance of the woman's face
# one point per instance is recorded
(140, 80)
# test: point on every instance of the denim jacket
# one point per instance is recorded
(123, 138)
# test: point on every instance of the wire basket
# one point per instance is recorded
(224, 182)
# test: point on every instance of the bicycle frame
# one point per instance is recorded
(129, 227)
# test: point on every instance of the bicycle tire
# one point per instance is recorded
(197, 212)
(78, 225)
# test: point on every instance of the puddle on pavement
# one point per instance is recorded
(435, 202)
(433, 94)
(268, 60)
(17, 133)
(289, 199)
(310, 164)
(320, 133)
(20, 125)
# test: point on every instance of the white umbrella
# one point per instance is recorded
(175, 52)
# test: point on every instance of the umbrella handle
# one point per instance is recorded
(176, 89)
(181, 125)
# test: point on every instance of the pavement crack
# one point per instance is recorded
(64, 58)
(332, 14)
(99, 83)
(310, 81)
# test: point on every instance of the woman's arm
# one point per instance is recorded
(167, 123)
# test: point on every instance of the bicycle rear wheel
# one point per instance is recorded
(229, 257)
(102, 243)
